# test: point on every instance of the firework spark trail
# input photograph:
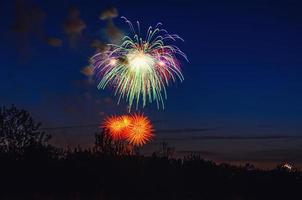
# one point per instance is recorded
(140, 69)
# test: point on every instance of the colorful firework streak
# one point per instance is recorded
(136, 129)
(140, 69)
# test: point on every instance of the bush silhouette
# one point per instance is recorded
(18, 130)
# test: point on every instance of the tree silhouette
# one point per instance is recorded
(166, 150)
(18, 130)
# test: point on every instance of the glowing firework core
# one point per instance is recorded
(113, 62)
(161, 63)
(140, 62)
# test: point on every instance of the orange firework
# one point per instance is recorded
(117, 126)
(140, 130)
(125, 120)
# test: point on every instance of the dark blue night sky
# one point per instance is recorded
(243, 77)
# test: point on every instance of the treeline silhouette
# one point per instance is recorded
(32, 169)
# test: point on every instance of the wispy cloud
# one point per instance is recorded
(220, 137)
(74, 26)
(203, 153)
(185, 130)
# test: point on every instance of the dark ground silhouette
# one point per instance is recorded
(113, 170)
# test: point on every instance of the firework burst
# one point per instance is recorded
(117, 126)
(140, 69)
(140, 130)
(135, 129)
